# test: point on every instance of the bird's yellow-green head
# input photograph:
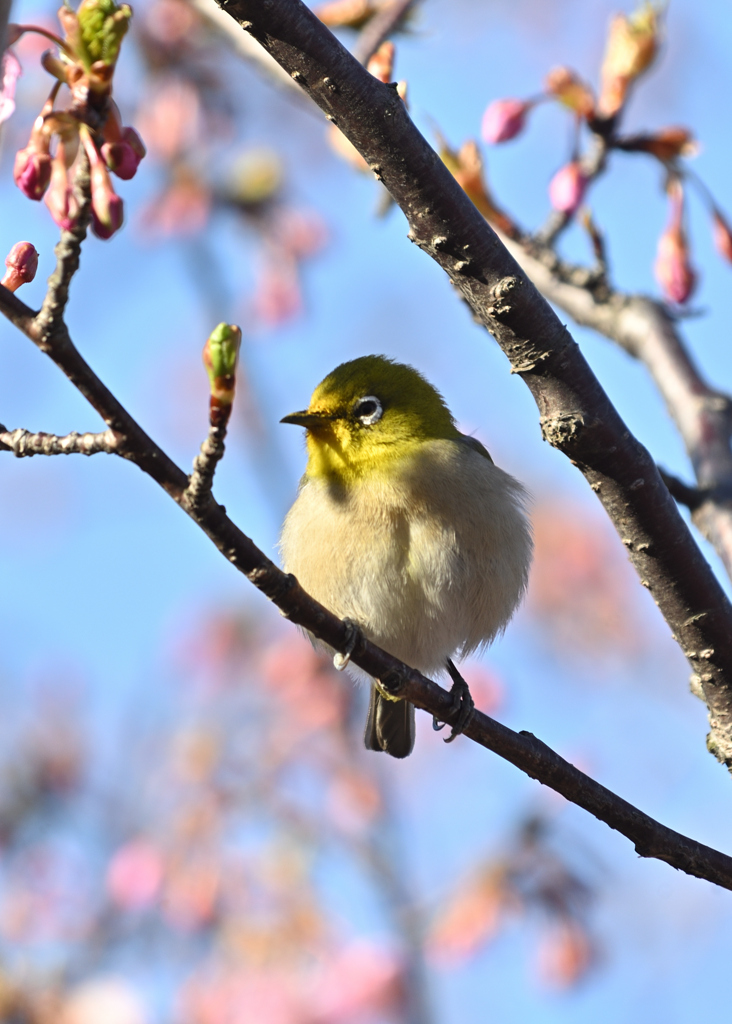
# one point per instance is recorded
(368, 412)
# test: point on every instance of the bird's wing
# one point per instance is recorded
(474, 443)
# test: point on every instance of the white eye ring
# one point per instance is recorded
(373, 410)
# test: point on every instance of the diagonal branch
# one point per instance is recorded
(576, 415)
(530, 755)
(647, 332)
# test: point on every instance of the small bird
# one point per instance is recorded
(405, 527)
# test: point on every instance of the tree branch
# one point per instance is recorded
(576, 415)
(536, 759)
(646, 331)
(204, 464)
(379, 28)
(23, 443)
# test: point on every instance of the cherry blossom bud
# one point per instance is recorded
(722, 234)
(381, 64)
(107, 207)
(345, 13)
(220, 356)
(504, 119)
(102, 25)
(60, 198)
(567, 188)
(22, 264)
(566, 86)
(123, 157)
(32, 171)
(114, 215)
(631, 48)
(32, 168)
(673, 268)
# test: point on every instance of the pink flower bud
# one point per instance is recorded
(123, 157)
(32, 171)
(22, 264)
(722, 234)
(107, 207)
(504, 119)
(673, 268)
(114, 214)
(60, 199)
(567, 188)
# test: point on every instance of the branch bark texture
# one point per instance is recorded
(576, 415)
(645, 330)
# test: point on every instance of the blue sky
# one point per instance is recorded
(99, 568)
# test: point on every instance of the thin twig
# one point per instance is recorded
(204, 464)
(691, 497)
(380, 27)
(22, 443)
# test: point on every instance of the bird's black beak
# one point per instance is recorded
(310, 420)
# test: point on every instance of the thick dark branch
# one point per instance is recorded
(533, 757)
(576, 415)
(23, 443)
(646, 331)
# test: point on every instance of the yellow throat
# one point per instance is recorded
(366, 414)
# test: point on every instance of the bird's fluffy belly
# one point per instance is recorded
(430, 558)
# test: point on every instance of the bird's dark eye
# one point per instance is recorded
(368, 410)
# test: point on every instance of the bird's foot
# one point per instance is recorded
(354, 636)
(462, 703)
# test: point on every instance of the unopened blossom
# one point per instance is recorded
(123, 156)
(220, 356)
(722, 234)
(566, 86)
(60, 197)
(381, 64)
(567, 188)
(22, 264)
(566, 954)
(32, 171)
(346, 13)
(504, 119)
(631, 48)
(673, 268)
(32, 168)
(107, 207)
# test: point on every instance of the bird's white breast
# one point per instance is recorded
(430, 559)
